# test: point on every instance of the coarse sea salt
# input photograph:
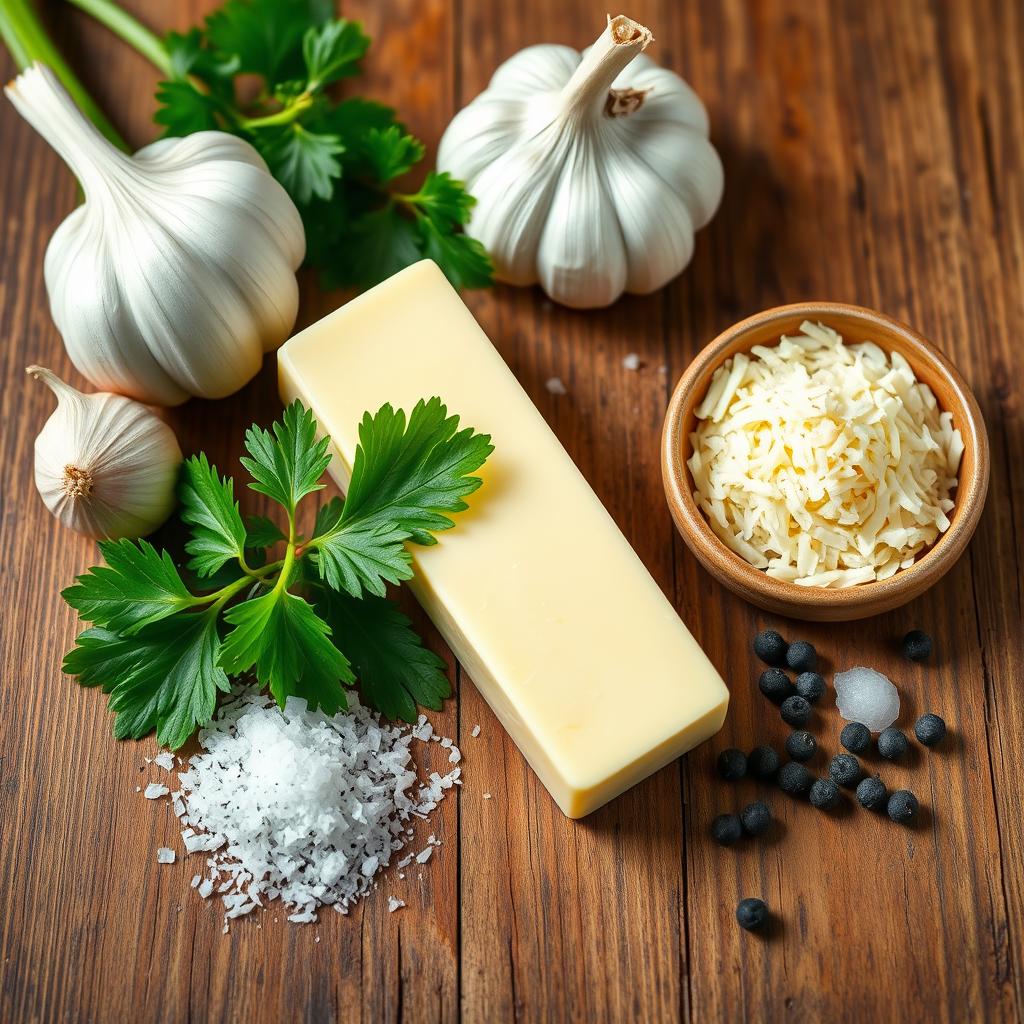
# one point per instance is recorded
(165, 760)
(154, 790)
(301, 806)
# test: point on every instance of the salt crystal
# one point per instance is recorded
(154, 790)
(165, 855)
(165, 760)
(476, 731)
(455, 756)
(631, 362)
(196, 879)
(301, 806)
(487, 796)
(394, 904)
(555, 386)
(866, 696)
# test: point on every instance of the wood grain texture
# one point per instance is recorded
(874, 154)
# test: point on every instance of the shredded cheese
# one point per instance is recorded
(823, 463)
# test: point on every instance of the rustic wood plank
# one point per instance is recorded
(841, 170)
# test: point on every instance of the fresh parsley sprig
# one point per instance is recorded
(311, 623)
(338, 160)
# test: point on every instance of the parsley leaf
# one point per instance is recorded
(266, 35)
(333, 51)
(390, 151)
(395, 671)
(208, 505)
(137, 586)
(288, 463)
(289, 645)
(304, 162)
(407, 475)
(357, 558)
(261, 532)
(165, 677)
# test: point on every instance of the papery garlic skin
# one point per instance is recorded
(178, 272)
(105, 465)
(591, 171)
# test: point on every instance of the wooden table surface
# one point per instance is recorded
(874, 153)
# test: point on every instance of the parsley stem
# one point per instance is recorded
(27, 40)
(125, 27)
(284, 116)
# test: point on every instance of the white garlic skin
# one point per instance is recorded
(591, 171)
(105, 465)
(178, 272)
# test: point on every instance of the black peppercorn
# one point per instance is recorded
(775, 685)
(902, 806)
(732, 764)
(825, 795)
(917, 645)
(763, 763)
(810, 686)
(845, 769)
(756, 818)
(726, 829)
(795, 711)
(872, 794)
(751, 914)
(930, 729)
(892, 744)
(770, 647)
(795, 779)
(802, 657)
(855, 737)
(801, 745)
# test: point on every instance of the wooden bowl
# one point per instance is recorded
(825, 604)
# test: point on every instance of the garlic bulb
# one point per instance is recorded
(178, 271)
(590, 176)
(105, 465)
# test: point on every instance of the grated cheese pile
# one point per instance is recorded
(823, 463)
(301, 806)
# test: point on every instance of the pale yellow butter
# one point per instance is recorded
(539, 595)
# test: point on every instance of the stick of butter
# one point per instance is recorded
(536, 590)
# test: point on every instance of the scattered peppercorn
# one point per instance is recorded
(732, 764)
(795, 779)
(892, 744)
(810, 686)
(801, 656)
(825, 794)
(763, 763)
(917, 645)
(801, 745)
(903, 806)
(751, 914)
(845, 769)
(855, 737)
(930, 729)
(726, 829)
(795, 711)
(770, 647)
(872, 794)
(756, 818)
(775, 685)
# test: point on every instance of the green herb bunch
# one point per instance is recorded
(338, 160)
(310, 623)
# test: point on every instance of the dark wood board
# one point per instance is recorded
(874, 153)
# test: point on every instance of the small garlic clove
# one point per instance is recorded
(105, 465)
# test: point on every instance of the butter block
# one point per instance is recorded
(537, 592)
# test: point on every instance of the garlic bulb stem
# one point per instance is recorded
(72, 135)
(588, 91)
